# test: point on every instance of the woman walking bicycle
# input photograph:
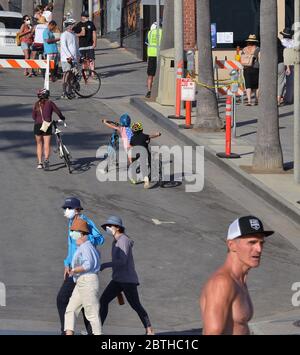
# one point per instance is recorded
(42, 116)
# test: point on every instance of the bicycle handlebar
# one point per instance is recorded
(111, 122)
(59, 121)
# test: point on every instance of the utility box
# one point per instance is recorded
(166, 90)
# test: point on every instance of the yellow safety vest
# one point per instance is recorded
(152, 42)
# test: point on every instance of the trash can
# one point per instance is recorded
(166, 89)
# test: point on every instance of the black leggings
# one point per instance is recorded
(131, 293)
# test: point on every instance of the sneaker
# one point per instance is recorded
(46, 165)
(148, 95)
(40, 166)
(133, 182)
(146, 183)
(64, 97)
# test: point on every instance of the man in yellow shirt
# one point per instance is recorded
(153, 48)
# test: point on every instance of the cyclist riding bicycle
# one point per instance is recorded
(123, 128)
(141, 139)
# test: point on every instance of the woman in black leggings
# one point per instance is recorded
(124, 276)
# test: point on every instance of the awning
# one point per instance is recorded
(152, 2)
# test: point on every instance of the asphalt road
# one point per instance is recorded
(173, 260)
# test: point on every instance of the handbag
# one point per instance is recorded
(247, 58)
(46, 124)
(18, 39)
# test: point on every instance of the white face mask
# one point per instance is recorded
(70, 214)
(111, 231)
(75, 235)
(27, 22)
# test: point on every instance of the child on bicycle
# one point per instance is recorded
(123, 128)
(139, 138)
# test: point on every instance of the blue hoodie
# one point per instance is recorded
(95, 237)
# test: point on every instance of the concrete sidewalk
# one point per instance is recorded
(280, 190)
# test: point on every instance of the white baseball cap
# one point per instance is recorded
(245, 226)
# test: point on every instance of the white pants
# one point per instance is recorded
(85, 295)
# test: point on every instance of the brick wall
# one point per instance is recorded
(189, 24)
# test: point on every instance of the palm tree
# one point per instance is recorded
(58, 12)
(76, 9)
(27, 7)
(207, 106)
(268, 152)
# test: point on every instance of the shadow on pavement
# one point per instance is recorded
(183, 332)
(110, 74)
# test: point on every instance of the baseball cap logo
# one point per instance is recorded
(254, 223)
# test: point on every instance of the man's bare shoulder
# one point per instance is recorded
(220, 281)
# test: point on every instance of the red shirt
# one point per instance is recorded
(48, 109)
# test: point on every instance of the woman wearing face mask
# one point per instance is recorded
(72, 211)
(26, 38)
(124, 276)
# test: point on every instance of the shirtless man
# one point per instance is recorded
(225, 302)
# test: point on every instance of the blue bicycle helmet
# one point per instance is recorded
(125, 120)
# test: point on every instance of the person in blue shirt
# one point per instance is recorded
(72, 211)
(50, 47)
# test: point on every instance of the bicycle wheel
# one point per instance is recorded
(88, 83)
(66, 156)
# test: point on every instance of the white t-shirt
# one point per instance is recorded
(69, 46)
(288, 43)
(39, 30)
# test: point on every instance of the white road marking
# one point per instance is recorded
(158, 222)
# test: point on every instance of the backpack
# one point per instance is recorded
(248, 58)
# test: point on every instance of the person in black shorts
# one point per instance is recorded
(141, 139)
(87, 33)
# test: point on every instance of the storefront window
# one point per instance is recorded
(239, 17)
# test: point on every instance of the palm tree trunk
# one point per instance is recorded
(207, 105)
(268, 152)
(27, 7)
(76, 9)
(58, 12)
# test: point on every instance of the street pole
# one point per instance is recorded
(178, 35)
(297, 95)
(91, 10)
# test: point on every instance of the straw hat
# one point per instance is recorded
(287, 33)
(252, 38)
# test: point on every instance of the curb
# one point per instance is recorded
(250, 182)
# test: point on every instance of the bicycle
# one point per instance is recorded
(82, 80)
(62, 150)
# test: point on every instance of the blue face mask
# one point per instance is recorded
(75, 235)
